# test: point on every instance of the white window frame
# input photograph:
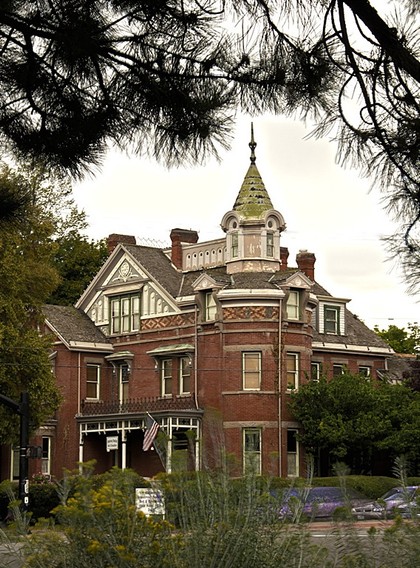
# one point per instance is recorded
(293, 305)
(166, 377)
(184, 375)
(95, 382)
(315, 371)
(251, 372)
(332, 324)
(125, 314)
(365, 370)
(210, 306)
(46, 455)
(252, 450)
(292, 371)
(292, 453)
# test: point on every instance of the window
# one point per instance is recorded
(365, 370)
(234, 245)
(166, 377)
(184, 375)
(270, 244)
(46, 455)
(332, 319)
(210, 306)
(251, 370)
(315, 371)
(252, 450)
(124, 376)
(292, 367)
(338, 370)
(293, 305)
(92, 381)
(125, 314)
(292, 454)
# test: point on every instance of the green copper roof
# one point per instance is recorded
(253, 200)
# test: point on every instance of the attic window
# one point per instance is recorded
(332, 320)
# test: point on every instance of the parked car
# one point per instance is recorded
(319, 502)
(399, 500)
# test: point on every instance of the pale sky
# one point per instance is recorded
(328, 210)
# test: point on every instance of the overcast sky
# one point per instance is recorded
(328, 210)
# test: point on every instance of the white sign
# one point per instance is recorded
(150, 501)
(111, 443)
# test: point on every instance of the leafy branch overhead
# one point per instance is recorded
(166, 78)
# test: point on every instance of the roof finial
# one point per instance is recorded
(252, 144)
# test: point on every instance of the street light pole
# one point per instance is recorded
(21, 408)
(24, 452)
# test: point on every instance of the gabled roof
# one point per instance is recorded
(74, 327)
(159, 266)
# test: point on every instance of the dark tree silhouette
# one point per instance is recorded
(166, 77)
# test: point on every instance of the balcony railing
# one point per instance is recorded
(138, 405)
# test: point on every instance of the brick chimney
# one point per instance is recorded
(284, 255)
(114, 240)
(179, 236)
(306, 263)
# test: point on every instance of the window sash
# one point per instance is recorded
(292, 454)
(270, 244)
(293, 305)
(166, 377)
(331, 319)
(315, 371)
(92, 381)
(46, 455)
(292, 369)
(184, 375)
(365, 370)
(210, 306)
(234, 245)
(252, 450)
(125, 314)
(251, 370)
(338, 370)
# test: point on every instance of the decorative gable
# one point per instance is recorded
(205, 282)
(299, 280)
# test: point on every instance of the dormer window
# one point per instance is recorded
(210, 306)
(332, 320)
(125, 313)
(293, 305)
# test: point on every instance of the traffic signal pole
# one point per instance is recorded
(21, 408)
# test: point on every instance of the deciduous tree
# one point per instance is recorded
(26, 278)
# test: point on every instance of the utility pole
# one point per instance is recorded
(21, 408)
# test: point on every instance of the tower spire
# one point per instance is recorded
(252, 144)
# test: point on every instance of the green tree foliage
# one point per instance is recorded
(401, 340)
(167, 78)
(27, 278)
(77, 260)
(351, 416)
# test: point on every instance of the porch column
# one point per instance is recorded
(123, 447)
(81, 443)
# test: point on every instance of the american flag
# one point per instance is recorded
(152, 428)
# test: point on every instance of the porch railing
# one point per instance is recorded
(137, 405)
